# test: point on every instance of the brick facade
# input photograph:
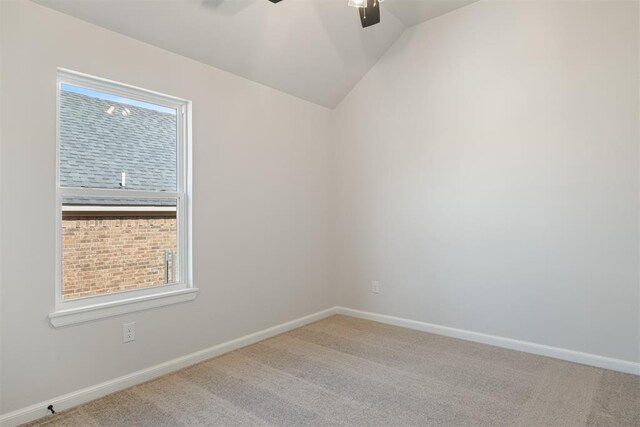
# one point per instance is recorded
(104, 254)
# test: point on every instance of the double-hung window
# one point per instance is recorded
(123, 208)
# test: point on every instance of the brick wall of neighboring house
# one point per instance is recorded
(104, 254)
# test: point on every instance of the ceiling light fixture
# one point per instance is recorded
(357, 3)
(363, 3)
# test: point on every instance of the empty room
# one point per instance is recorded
(319, 213)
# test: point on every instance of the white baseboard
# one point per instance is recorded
(79, 397)
(75, 398)
(528, 347)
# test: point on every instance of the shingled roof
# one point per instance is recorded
(96, 147)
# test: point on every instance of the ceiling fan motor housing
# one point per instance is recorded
(370, 14)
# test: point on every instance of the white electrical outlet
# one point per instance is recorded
(375, 287)
(128, 332)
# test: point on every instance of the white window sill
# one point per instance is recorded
(88, 313)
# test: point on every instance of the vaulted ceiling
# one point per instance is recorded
(312, 49)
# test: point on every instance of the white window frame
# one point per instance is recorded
(83, 309)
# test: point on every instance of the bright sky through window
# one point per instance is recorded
(115, 98)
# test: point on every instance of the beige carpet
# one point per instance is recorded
(343, 371)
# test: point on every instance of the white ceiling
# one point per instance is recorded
(412, 12)
(312, 49)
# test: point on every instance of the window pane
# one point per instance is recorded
(111, 245)
(108, 141)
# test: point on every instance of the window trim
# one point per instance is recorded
(94, 307)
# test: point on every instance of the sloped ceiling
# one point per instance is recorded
(313, 49)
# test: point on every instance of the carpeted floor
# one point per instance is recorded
(343, 371)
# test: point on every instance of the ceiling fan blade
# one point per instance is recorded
(370, 15)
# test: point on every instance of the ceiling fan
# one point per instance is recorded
(369, 10)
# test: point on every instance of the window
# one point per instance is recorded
(122, 199)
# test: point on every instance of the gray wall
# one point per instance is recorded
(260, 229)
(487, 176)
